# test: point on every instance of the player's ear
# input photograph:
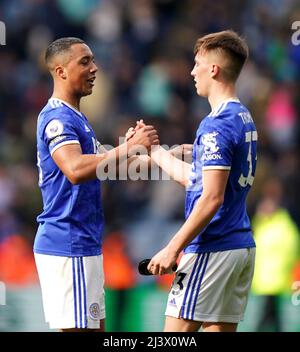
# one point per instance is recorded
(214, 71)
(60, 71)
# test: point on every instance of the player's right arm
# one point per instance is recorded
(177, 169)
(78, 167)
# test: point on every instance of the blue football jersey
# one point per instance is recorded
(226, 140)
(72, 220)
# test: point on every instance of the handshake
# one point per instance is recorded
(141, 135)
(146, 136)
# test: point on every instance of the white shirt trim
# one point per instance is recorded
(216, 167)
(60, 102)
(64, 143)
(222, 106)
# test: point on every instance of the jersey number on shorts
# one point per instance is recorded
(244, 181)
(181, 278)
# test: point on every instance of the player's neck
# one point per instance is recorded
(68, 98)
(220, 94)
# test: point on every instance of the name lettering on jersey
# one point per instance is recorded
(54, 129)
(56, 140)
(246, 117)
(211, 148)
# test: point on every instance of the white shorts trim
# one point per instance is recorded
(212, 287)
(72, 290)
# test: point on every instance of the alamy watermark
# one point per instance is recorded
(296, 35)
(2, 33)
(296, 293)
(2, 293)
(135, 164)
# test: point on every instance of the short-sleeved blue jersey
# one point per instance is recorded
(226, 139)
(72, 220)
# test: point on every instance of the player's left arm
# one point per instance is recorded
(214, 185)
(175, 162)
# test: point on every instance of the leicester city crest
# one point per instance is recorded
(95, 311)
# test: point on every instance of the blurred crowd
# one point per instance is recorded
(144, 50)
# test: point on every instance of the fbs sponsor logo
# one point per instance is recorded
(210, 147)
(209, 157)
(210, 142)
